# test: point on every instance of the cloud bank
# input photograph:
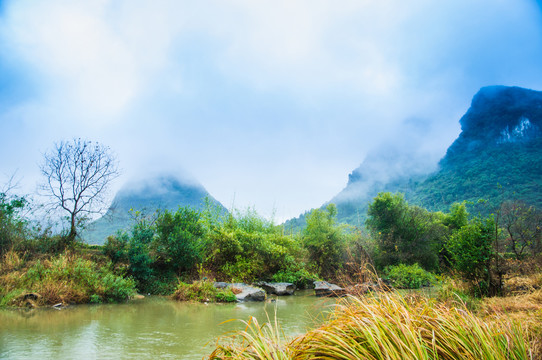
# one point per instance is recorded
(270, 103)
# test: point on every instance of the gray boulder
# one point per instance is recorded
(221, 285)
(323, 288)
(249, 293)
(279, 289)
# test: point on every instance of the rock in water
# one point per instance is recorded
(279, 289)
(323, 288)
(249, 293)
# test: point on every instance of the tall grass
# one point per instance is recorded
(257, 341)
(66, 278)
(389, 327)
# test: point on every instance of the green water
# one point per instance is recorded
(153, 328)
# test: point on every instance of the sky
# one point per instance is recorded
(268, 104)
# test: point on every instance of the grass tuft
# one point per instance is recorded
(389, 327)
(202, 291)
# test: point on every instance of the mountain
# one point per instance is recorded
(148, 195)
(497, 156)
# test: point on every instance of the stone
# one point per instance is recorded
(221, 285)
(249, 293)
(280, 289)
(323, 288)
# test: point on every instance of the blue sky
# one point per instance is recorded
(270, 103)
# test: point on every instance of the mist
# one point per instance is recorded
(268, 104)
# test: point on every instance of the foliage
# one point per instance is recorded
(66, 278)
(301, 278)
(472, 251)
(157, 251)
(138, 253)
(116, 248)
(405, 234)
(12, 227)
(325, 241)
(203, 291)
(246, 247)
(408, 276)
(178, 244)
(523, 226)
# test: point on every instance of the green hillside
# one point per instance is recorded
(147, 196)
(497, 156)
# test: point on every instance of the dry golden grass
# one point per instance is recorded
(523, 284)
(11, 261)
(390, 327)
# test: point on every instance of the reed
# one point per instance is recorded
(389, 326)
(266, 342)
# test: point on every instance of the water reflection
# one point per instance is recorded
(149, 328)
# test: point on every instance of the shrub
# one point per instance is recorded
(178, 244)
(203, 291)
(12, 227)
(404, 233)
(472, 252)
(67, 278)
(246, 247)
(408, 276)
(301, 277)
(325, 241)
(116, 248)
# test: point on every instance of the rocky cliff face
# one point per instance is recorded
(498, 115)
(497, 156)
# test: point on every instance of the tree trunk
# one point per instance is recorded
(70, 240)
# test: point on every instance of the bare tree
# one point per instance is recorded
(523, 225)
(77, 175)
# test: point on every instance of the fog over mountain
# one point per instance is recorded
(157, 192)
(496, 157)
(267, 104)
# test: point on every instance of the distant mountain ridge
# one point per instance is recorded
(497, 156)
(148, 195)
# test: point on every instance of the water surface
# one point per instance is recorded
(143, 329)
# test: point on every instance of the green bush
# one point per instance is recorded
(405, 234)
(12, 226)
(246, 247)
(68, 278)
(325, 241)
(116, 248)
(301, 278)
(179, 241)
(203, 291)
(472, 252)
(408, 276)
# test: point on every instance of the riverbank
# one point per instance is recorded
(65, 278)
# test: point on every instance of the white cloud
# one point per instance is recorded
(301, 88)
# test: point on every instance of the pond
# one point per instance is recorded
(150, 328)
